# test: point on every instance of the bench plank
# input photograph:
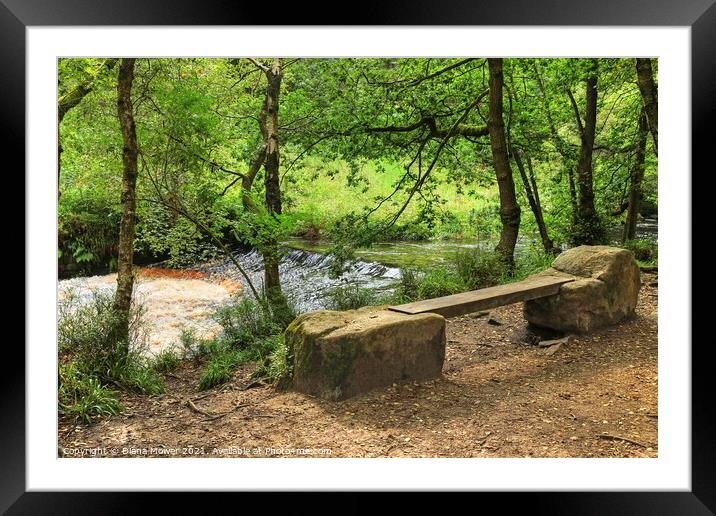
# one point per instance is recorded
(492, 297)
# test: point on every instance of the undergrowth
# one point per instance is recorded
(96, 359)
(646, 251)
(251, 332)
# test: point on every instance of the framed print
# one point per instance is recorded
(417, 253)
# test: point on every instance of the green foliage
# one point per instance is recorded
(343, 178)
(485, 221)
(280, 310)
(246, 322)
(587, 232)
(90, 332)
(189, 343)
(440, 281)
(83, 397)
(409, 232)
(160, 233)
(275, 367)
(531, 261)
(208, 347)
(480, 268)
(309, 225)
(340, 179)
(415, 285)
(471, 269)
(354, 231)
(645, 250)
(408, 287)
(88, 230)
(218, 368)
(250, 333)
(261, 229)
(350, 296)
(136, 373)
(222, 358)
(166, 361)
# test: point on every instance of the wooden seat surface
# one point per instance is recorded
(492, 297)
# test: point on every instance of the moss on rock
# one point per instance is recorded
(336, 355)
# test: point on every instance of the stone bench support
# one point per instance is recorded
(604, 291)
(336, 355)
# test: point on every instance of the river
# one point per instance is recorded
(174, 303)
(304, 268)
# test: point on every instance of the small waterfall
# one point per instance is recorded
(647, 228)
(305, 275)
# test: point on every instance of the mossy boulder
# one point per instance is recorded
(604, 291)
(337, 355)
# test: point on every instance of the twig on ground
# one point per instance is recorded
(209, 415)
(257, 383)
(191, 405)
(390, 448)
(620, 438)
(214, 417)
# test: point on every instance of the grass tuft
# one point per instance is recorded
(83, 397)
(251, 333)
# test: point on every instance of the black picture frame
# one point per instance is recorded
(700, 15)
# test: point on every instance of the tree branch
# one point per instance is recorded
(177, 208)
(576, 113)
(205, 160)
(259, 65)
(421, 180)
(76, 94)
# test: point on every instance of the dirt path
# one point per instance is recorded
(594, 397)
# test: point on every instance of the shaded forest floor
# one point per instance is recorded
(499, 397)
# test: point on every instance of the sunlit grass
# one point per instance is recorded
(320, 194)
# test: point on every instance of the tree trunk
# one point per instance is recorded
(273, 191)
(269, 128)
(532, 193)
(247, 181)
(59, 161)
(588, 230)
(509, 209)
(125, 273)
(272, 280)
(637, 175)
(649, 94)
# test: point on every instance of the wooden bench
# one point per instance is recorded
(492, 297)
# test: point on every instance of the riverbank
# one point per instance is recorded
(498, 397)
(423, 254)
(185, 299)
